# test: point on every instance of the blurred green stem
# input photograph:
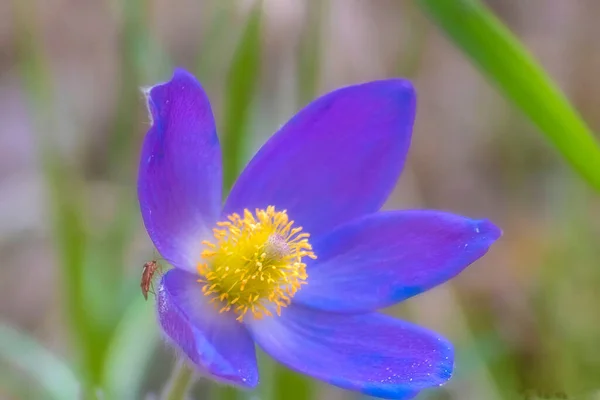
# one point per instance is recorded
(179, 383)
(240, 87)
(222, 392)
(291, 385)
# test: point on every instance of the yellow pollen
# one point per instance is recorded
(255, 263)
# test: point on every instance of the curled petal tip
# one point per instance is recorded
(180, 71)
(488, 229)
(179, 180)
(184, 88)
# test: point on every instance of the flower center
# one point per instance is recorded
(255, 263)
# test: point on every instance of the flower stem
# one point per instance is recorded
(180, 382)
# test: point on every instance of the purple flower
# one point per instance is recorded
(299, 257)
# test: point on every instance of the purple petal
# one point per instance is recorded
(386, 257)
(179, 181)
(337, 159)
(370, 353)
(217, 344)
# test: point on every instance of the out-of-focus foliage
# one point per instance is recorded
(52, 374)
(72, 242)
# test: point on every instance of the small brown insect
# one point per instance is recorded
(147, 274)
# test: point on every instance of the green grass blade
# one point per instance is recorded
(29, 356)
(210, 56)
(310, 52)
(130, 351)
(241, 87)
(499, 55)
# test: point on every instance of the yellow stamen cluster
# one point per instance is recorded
(255, 264)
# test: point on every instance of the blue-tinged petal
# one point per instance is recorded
(337, 159)
(371, 353)
(179, 181)
(383, 258)
(218, 345)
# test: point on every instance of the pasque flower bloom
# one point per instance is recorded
(299, 257)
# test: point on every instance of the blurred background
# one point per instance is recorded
(524, 319)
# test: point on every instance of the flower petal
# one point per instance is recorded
(371, 353)
(217, 344)
(179, 181)
(383, 258)
(337, 159)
